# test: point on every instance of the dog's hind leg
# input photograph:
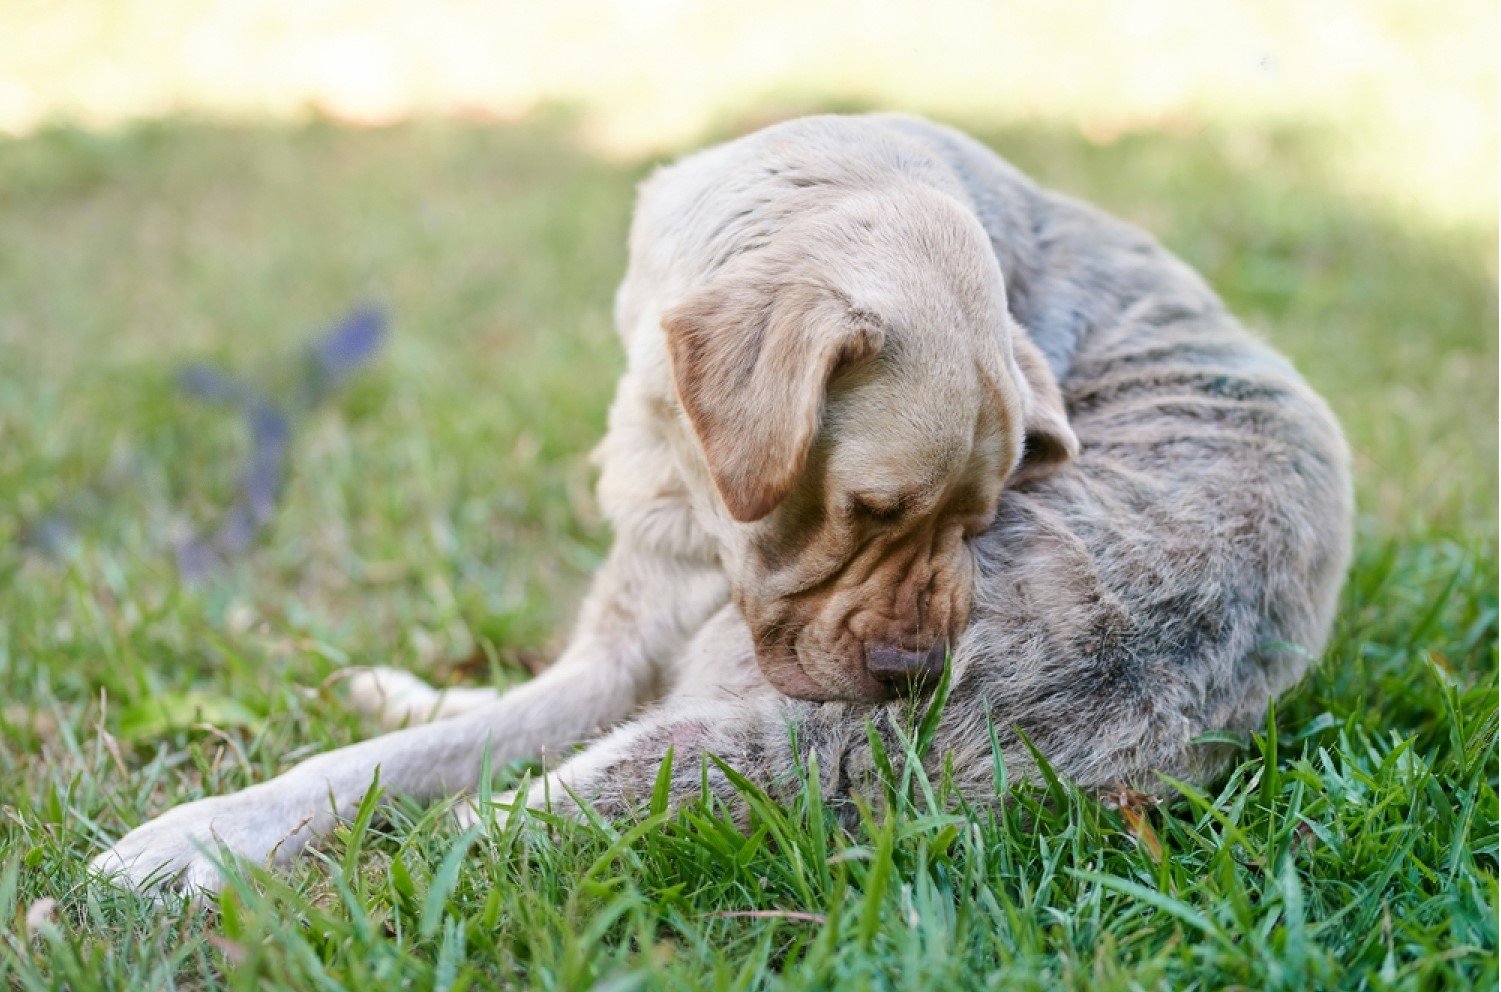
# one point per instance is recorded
(724, 708)
(616, 774)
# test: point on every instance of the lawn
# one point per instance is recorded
(437, 515)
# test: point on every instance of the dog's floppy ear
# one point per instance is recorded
(752, 360)
(1050, 440)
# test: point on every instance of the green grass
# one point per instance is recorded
(442, 504)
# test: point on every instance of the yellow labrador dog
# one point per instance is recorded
(889, 406)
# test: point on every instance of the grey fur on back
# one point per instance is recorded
(1193, 556)
(1174, 579)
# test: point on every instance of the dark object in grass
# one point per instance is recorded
(343, 351)
(329, 361)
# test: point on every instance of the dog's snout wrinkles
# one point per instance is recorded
(902, 668)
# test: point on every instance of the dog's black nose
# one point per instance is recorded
(907, 669)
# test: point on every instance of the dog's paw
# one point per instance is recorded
(390, 695)
(400, 699)
(182, 850)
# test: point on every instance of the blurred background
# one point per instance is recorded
(1406, 92)
(185, 182)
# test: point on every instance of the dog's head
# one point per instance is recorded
(860, 395)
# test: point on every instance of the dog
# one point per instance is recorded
(890, 409)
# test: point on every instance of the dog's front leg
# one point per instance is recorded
(607, 671)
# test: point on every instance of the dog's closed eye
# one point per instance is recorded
(878, 507)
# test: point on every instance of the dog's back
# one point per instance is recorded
(1186, 567)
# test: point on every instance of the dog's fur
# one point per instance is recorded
(887, 400)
